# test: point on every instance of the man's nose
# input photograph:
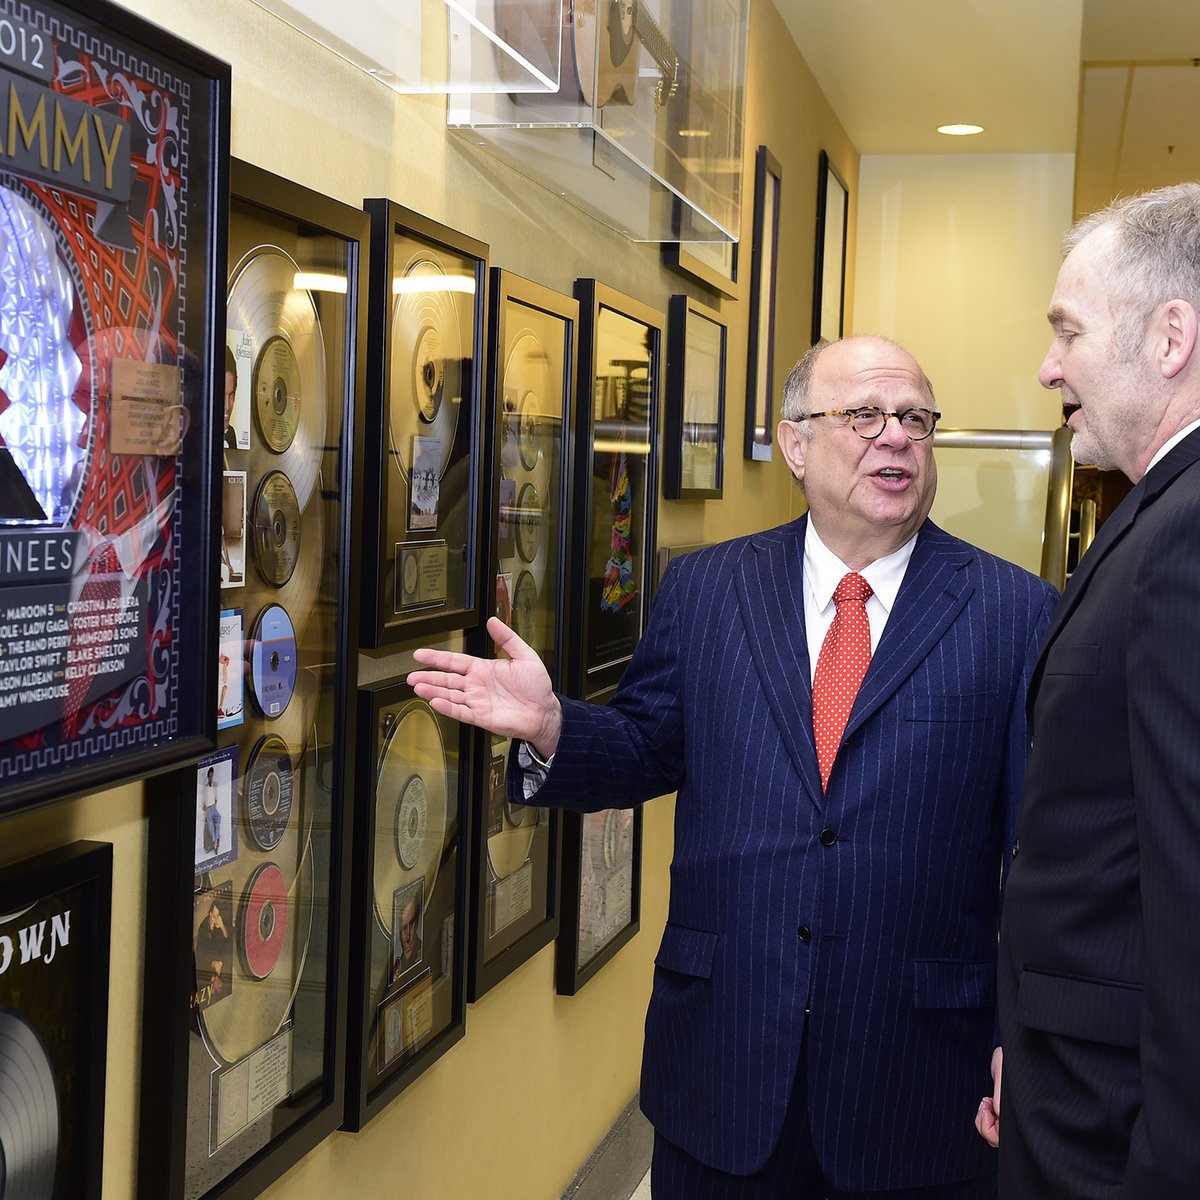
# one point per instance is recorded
(1050, 372)
(892, 434)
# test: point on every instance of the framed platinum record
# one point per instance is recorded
(425, 378)
(112, 248)
(530, 417)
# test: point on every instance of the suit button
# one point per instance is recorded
(804, 934)
(1016, 848)
(828, 837)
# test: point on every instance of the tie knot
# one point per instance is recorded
(854, 588)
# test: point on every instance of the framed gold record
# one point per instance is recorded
(409, 908)
(530, 410)
(426, 358)
(250, 867)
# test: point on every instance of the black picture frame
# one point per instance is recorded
(711, 264)
(694, 414)
(601, 889)
(423, 576)
(271, 853)
(410, 921)
(620, 373)
(59, 905)
(530, 424)
(829, 271)
(108, 532)
(760, 347)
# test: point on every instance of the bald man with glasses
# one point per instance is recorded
(840, 705)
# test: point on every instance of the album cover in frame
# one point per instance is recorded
(425, 371)
(55, 923)
(409, 925)
(602, 890)
(616, 482)
(530, 416)
(245, 1023)
(112, 221)
(760, 349)
(694, 425)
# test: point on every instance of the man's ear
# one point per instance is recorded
(794, 446)
(1175, 331)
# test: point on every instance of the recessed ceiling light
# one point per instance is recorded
(960, 130)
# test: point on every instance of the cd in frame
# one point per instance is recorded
(426, 359)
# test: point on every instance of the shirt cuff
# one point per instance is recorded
(534, 769)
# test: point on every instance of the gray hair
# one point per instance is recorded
(1154, 255)
(797, 388)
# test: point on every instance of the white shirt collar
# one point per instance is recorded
(1171, 442)
(823, 570)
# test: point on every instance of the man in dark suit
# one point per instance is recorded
(822, 1020)
(1100, 953)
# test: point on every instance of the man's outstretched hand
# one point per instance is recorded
(510, 696)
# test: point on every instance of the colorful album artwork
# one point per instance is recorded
(106, 244)
(54, 938)
(408, 923)
(239, 363)
(231, 673)
(216, 831)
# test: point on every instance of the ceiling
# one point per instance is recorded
(1114, 81)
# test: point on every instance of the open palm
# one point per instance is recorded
(511, 696)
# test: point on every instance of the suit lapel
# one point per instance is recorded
(934, 591)
(770, 587)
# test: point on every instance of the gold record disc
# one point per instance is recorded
(525, 612)
(412, 807)
(278, 323)
(28, 1111)
(276, 528)
(427, 356)
(527, 392)
(508, 849)
(531, 523)
(256, 1008)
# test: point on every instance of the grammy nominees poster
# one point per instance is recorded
(105, 250)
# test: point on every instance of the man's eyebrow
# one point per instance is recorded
(1056, 314)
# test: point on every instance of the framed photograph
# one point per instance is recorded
(829, 275)
(760, 350)
(425, 370)
(249, 850)
(409, 909)
(694, 425)
(713, 264)
(114, 247)
(616, 468)
(530, 417)
(602, 892)
(55, 923)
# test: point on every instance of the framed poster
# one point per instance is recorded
(112, 223)
(531, 411)
(425, 379)
(694, 426)
(408, 944)
(829, 275)
(249, 854)
(55, 922)
(616, 467)
(602, 891)
(760, 350)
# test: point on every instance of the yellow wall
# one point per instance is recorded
(957, 256)
(560, 1069)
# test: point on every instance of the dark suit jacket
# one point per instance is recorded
(878, 902)
(1101, 947)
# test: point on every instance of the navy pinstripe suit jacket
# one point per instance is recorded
(1100, 955)
(888, 932)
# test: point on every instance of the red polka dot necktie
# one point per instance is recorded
(841, 665)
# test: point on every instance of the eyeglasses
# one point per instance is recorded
(869, 422)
